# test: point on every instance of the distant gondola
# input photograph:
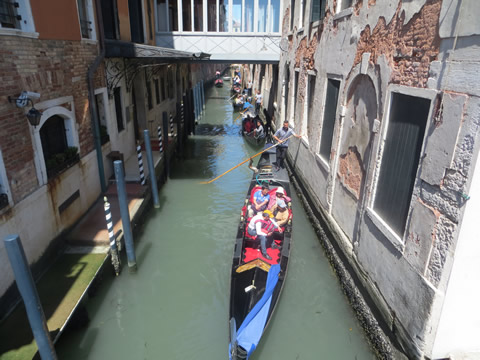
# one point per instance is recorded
(256, 283)
(249, 123)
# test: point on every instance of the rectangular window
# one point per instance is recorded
(274, 15)
(173, 15)
(110, 19)
(9, 17)
(329, 115)
(401, 155)
(157, 91)
(198, 14)
(212, 15)
(292, 14)
(223, 15)
(304, 7)
(262, 15)
(295, 93)
(237, 15)
(162, 15)
(117, 95)
(162, 86)
(85, 23)
(309, 104)
(318, 10)
(170, 83)
(149, 95)
(187, 15)
(345, 4)
(248, 18)
(286, 86)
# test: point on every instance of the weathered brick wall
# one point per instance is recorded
(409, 48)
(54, 69)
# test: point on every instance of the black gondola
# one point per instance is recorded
(249, 123)
(256, 282)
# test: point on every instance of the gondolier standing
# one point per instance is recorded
(280, 135)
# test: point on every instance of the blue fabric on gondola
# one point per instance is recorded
(250, 332)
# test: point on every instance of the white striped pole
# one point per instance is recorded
(140, 164)
(172, 134)
(160, 141)
(182, 115)
(111, 235)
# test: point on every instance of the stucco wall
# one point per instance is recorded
(375, 49)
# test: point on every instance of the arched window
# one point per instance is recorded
(56, 152)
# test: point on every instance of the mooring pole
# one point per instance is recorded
(151, 169)
(172, 134)
(27, 289)
(195, 102)
(123, 204)
(140, 164)
(113, 241)
(160, 142)
(203, 96)
(167, 145)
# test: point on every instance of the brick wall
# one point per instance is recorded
(54, 69)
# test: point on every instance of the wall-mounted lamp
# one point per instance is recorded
(25, 97)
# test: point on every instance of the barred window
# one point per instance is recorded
(329, 116)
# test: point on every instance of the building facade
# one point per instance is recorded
(96, 81)
(385, 95)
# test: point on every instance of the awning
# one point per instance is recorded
(124, 49)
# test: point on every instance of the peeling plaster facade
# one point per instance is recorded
(376, 50)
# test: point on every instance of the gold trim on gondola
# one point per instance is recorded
(255, 263)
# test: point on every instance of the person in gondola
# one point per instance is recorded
(276, 197)
(260, 199)
(282, 135)
(248, 124)
(280, 212)
(258, 131)
(262, 226)
(236, 80)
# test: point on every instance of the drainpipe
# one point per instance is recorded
(91, 97)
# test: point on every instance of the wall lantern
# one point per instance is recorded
(25, 97)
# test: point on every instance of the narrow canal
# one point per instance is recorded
(176, 305)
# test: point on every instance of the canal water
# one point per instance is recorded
(176, 305)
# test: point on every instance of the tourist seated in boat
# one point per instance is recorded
(239, 100)
(261, 226)
(278, 195)
(260, 199)
(247, 105)
(248, 124)
(280, 212)
(258, 131)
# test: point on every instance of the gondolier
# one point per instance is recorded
(282, 135)
(262, 225)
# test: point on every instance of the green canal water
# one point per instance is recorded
(176, 305)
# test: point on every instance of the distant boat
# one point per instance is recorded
(227, 78)
(256, 282)
(219, 82)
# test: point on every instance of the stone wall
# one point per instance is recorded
(374, 50)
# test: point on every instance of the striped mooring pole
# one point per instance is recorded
(160, 141)
(172, 134)
(140, 164)
(182, 114)
(113, 241)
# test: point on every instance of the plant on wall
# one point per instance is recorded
(59, 162)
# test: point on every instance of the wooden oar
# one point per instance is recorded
(241, 113)
(243, 162)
